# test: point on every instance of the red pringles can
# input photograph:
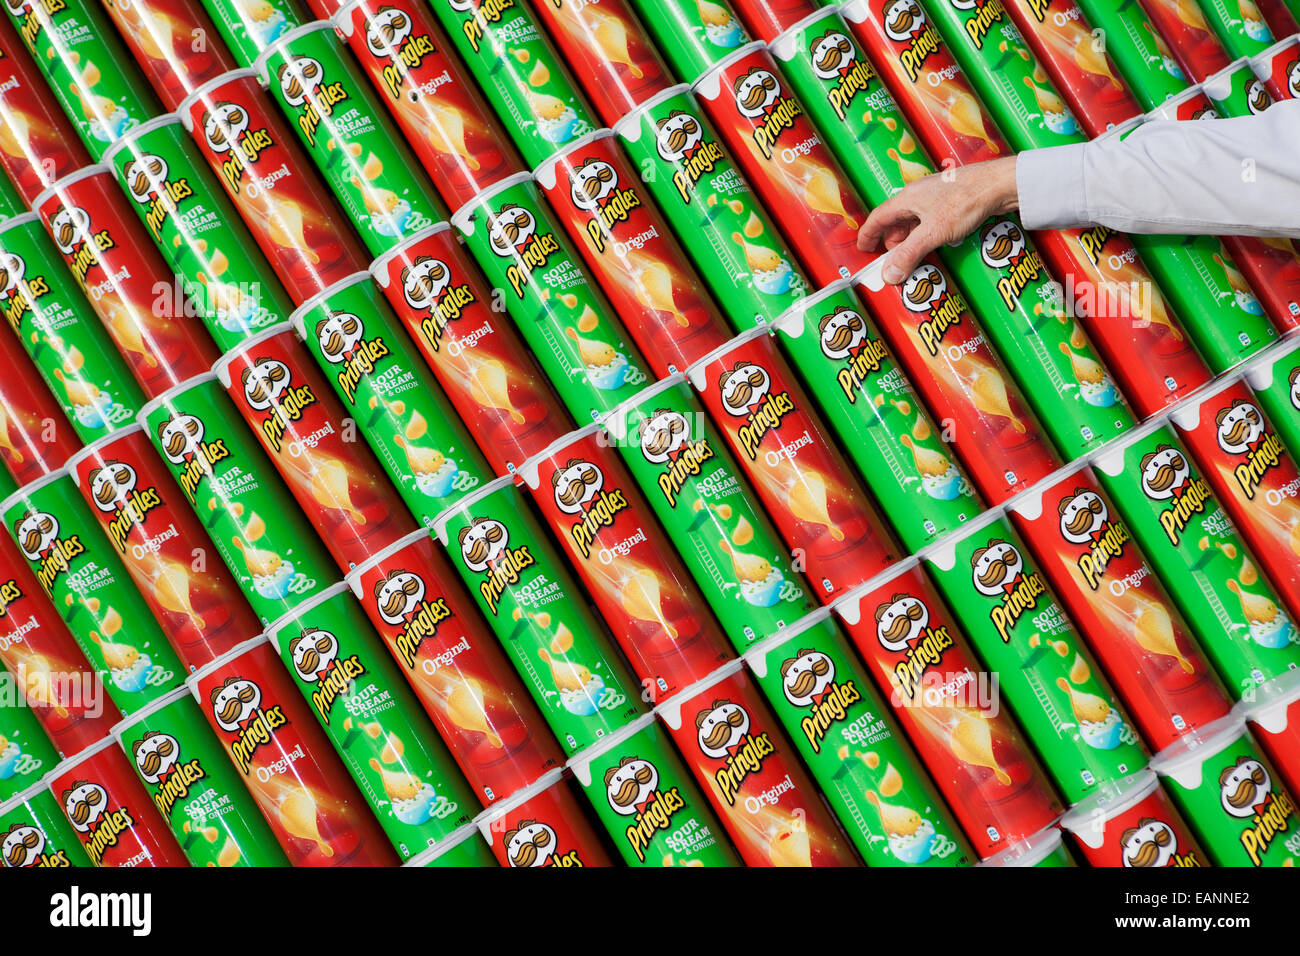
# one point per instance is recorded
(1252, 474)
(1185, 32)
(949, 708)
(543, 825)
(624, 238)
(930, 328)
(38, 146)
(453, 663)
(174, 42)
(45, 662)
(110, 811)
(35, 437)
(629, 566)
(1278, 68)
(489, 375)
(1132, 823)
(296, 221)
(164, 547)
(115, 264)
(1273, 711)
(1100, 573)
(284, 398)
(767, 19)
(807, 486)
(734, 746)
(796, 177)
(265, 725)
(434, 100)
(609, 51)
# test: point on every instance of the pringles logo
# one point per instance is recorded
(1003, 247)
(594, 188)
(481, 14)
(400, 599)
(181, 437)
(225, 131)
(19, 291)
(997, 570)
(835, 59)
(86, 805)
(1246, 793)
(389, 36)
(722, 732)
(679, 139)
(267, 388)
(148, 180)
(579, 489)
(905, 23)
(1166, 476)
(37, 533)
(23, 845)
(70, 227)
(316, 661)
(665, 439)
(1085, 520)
(926, 293)
(808, 681)
(986, 14)
(513, 235)
(903, 626)
(1241, 432)
(485, 549)
(341, 337)
(632, 790)
(237, 708)
(1153, 843)
(113, 490)
(302, 84)
(844, 337)
(10, 594)
(157, 757)
(427, 287)
(30, 23)
(531, 844)
(759, 98)
(746, 393)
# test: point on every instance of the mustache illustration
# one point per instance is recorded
(631, 787)
(806, 682)
(844, 335)
(510, 230)
(743, 391)
(662, 438)
(1259, 99)
(720, 734)
(425, 283)
(1241, 429)
(1244, 795)
(998, 571)
(67, 232)
(923, 289)
(1149, 852)
(902, 625)
(904, 19)
(527, 854)
(1082, 522)
(106, 493)
(32, 540)
(832, 57)
(478, 551)
(233, 706)
(314, 654)
(396, 602)
(681, 135)
(1004, 245)
(153, 760)
(260, 388)
(1164, 477)
(757, 95)
(297, 80)
(577, 487)
(219, 130)
(147, 175)
(334, 343)
(602, 175)
(18, 852)
(388, 32)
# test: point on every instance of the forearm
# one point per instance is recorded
(1221, 177)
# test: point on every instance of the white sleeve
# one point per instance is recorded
(1225, 177)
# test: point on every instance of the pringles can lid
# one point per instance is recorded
(1269, 703)
(847, 606)
(1123, 129)
(528, 471)
(239, 650)
(1109, 458)
(260, 64)
(1182, 759)
(151, 708)
(76, 459)
(379, 268)
(544, 172)
(783, 44)
(670, 711)
(22, 796)
(1259, 373)
(615, 420)
(13, 222)
(135, 132)
(63, 767)
(33, 486)
(1187, 414)
(1218, 86)
(755, 657)
(440, 522)
(353, 577)
(629, 127)
(1088, 817)
(791, 322)
(943, 553)
(1028, 852)
(452, 840)
(498, 810)
(695, 371)
(85, 172)
(580, 763)
(183, 108)
(221, 368)
(273, 629)
(709, 83)
(298, 317)
(149, 407)
(1168, 110)
(461, 217)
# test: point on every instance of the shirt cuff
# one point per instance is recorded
(1049, 183)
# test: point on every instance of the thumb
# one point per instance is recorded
(902, 260)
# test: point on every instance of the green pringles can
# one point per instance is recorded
(26, 754)
(198, 231)
(194, 786)
(703, 499)
(1237, 91)
(61, 333)
(79, 571)
(879, 419)
(34, 832)
(539, 615)
(1275, 379)
(1196, 551)
(869, 775)
(1239, 26)
(91, 74)
(1044, 849)
(1147, 66)
(373, 720)
(250, 26)
(693, 34)
(648, 801)
(1231, 795)
(251, 517)
(1045, 673)
(11, 204)
(718, 217)
(463, 849)
(398, 405)
(555, 301)
(520, 72)
(350, 136)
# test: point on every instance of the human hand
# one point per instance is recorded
(937, 209)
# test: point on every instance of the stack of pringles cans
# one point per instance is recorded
(465, 432)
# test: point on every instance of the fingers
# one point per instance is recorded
(887, 218)
(907, 255)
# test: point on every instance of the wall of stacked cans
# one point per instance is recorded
(466, 433)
